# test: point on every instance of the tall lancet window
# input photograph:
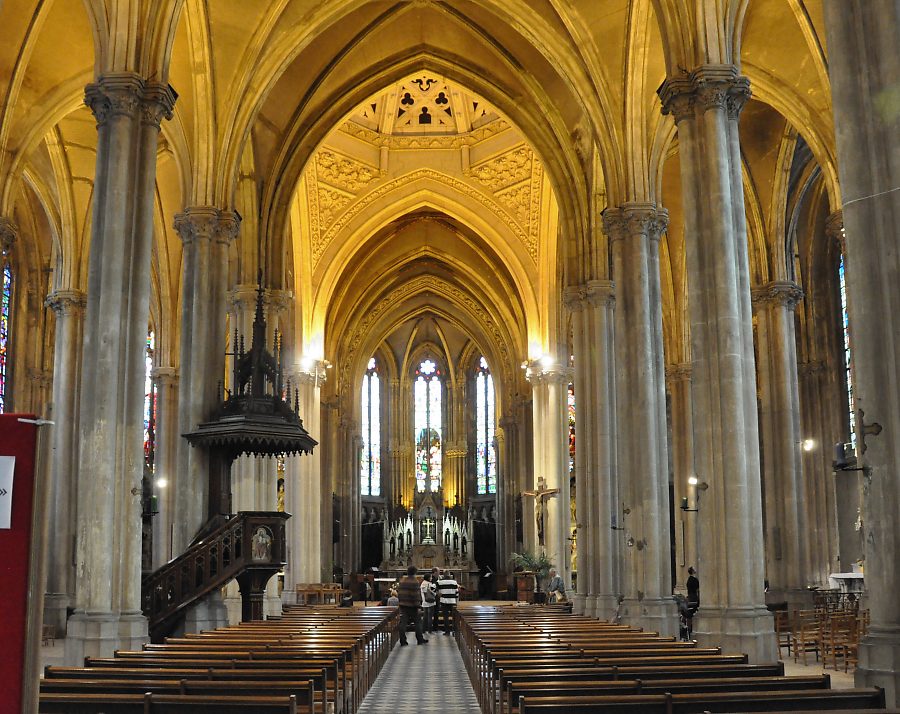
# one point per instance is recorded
(6, 281)
(428, 434)
(149, 402)
(370, 463)
(570, 412)
(486, 466)
(848, 374)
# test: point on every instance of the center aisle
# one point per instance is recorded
(421, 679)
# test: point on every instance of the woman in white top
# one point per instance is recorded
(429, 597)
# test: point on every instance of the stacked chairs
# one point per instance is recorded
(315, 661)
(528, 660)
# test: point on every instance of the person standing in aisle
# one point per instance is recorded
(448, 595)
(409, 595)
(429, 598)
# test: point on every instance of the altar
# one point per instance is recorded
(847, 582)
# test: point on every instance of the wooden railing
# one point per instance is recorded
(249, 542)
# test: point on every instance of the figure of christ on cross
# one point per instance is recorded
(541, 494)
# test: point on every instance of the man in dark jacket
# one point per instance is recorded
(448, 594)
(409, 593)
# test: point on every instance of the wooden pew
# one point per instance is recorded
(163, 704)
(696, 703)
(542, 688)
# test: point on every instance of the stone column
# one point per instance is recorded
(864, 67)
(68, 305)
(108, 615)
(508, 444)
(165, 461)
(206, 233)
(786, 527)
(595, 488)
(551, 461)
(678, 377)
(306, 530)
(634, 230)
(706, 104)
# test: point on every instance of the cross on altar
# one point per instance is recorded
(541, 494)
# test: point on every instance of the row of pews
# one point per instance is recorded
(533, 660)
(312, 660)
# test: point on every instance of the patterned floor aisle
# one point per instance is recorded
(422, 679)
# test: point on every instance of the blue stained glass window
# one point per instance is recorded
(848, 374)
(6, 280)
(486, 456)
(149, 402)
(370, 463)
(427, 425)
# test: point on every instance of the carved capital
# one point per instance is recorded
(707, 87)
(158, 103)
(591, 293)
(41, 378)
(117, 94)
(784, 293)
(646, 220)
(539, 372)
(242, 297)
(207, 223)
(312, 372)
(677, 96)
(8, 234)
(66, 302)
(678, 372)
(165, 376)
(278, 300)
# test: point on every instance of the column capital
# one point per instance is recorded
(679, 372)
(646, 220)
(709, 86)
(165, 376)
(242, 297)
(834, 228)
(539, 372)
(130, 95)
(784, 293)
(593, 292)
(8, 234)
(207, 223)
(66, 302)
(312, 371)
(278, 300)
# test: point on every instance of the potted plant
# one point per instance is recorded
(540, 565)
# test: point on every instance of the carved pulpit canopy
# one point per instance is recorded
(256, 416)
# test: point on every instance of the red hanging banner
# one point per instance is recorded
(18, 441)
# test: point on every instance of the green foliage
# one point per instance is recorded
(538, 564)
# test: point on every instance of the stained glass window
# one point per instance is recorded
(486, 457)
(370, 463)
(149, 402)
(570, 412)
(6, 280)
(848, 375)
(427, 399)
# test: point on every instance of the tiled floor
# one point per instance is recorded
(422, 679)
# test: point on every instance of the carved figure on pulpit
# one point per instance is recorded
(393, 546)
(262, 544)
(409, 540)
(447, 538)
(465, 544)
(400, 541)
(456, 542)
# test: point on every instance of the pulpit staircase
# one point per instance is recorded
(249, 548)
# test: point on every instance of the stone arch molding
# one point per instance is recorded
(376, 320)
(427, 189)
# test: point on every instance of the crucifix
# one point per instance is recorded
(541, 494)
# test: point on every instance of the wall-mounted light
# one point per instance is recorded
(808, 444)
(161, 482)
(692, 480)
